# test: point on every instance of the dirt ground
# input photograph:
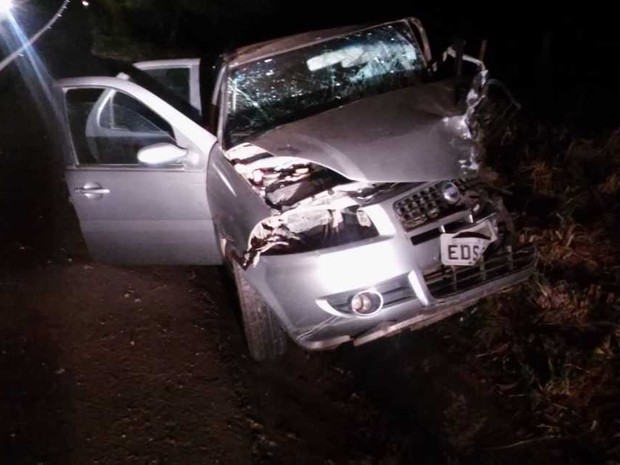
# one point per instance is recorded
(102, 364)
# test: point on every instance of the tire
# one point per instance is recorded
(265, 337)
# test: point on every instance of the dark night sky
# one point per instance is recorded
(560, 61)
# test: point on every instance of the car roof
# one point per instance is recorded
(269, 48)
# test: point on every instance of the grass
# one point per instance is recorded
(554, 343)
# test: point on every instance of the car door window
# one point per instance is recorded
(175, 79)
(109, 127)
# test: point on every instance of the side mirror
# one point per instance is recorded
(161, 154)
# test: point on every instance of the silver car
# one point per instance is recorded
(333, 170)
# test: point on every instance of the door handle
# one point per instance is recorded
(91, 192)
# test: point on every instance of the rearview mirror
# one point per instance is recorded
(161, 154)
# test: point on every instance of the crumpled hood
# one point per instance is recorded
(408, 135)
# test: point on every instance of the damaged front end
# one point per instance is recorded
(317, 197)
(360, 176)
(313, 207)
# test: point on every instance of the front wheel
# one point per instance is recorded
(265, 337)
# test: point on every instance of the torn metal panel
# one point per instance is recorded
(325, 220)
(311, 207)
(235, 206)
(282, 182)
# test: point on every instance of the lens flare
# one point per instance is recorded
(5, 7)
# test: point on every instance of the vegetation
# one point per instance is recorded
(136, 26)
(550, 348)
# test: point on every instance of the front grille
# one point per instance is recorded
(448, 281)
(428, 204)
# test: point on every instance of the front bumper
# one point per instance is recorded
(305, 289)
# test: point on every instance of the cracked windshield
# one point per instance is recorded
(303, 82)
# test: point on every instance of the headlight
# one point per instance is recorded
(320, 229)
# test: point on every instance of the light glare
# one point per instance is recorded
(5, 7)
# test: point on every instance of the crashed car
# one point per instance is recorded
(333, 170)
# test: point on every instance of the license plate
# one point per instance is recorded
(465, 247)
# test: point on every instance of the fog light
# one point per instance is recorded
(366, 302)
